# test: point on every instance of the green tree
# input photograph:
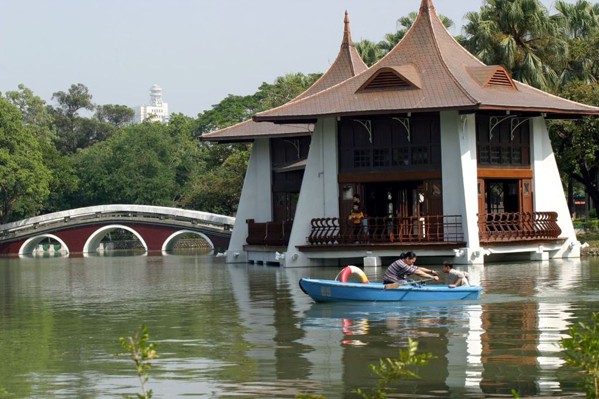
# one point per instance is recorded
(228, 112)
(116, 115)
(236, 109)
(581, 19)
(575, 146)
(521, 36)
(71, 136)
(218, 187)
(34, 112)
(39, 120)
(576, 143)
(24, 179)
(369, 51)
(581, 25)
(218, 190)
(284, 89)
(147, 163)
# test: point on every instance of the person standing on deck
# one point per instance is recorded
(355, 218)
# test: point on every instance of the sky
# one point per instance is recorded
(198, 51)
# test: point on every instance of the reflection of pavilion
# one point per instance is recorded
(483, 348)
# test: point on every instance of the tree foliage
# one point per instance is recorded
(39, 120)
(218, 187)
(116, 115)
(24, 179)
(76, 132)
(148, 163)
(581, 350)
(520, 35)
(576, 143)
(218, 190)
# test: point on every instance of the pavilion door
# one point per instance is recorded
(500, 196)
(503, 201)
(504, 196)
(526, 195)
(482, 210)
(284, 206)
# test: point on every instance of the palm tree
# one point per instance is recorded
(521, 36)
(403, 26)
(581, 19)
(581, 24)
(369, 51)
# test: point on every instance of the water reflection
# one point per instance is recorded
(249, 331)
(507, 340)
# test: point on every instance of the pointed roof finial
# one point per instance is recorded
(426, 5)
(346, 31)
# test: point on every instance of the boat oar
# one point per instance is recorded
(420, 281)
(416, 283)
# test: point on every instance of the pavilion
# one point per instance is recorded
(451, 157)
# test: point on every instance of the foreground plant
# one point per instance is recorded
(389, 370)
(582, 351)
(141, 351)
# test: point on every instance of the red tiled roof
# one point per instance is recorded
(347, 64)
(441, 74)
(249, 130)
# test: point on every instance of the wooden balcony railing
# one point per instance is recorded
(493, 228)
(331, 231)
(497, 227)
(269, 233)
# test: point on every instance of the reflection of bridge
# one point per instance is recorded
(81, 231)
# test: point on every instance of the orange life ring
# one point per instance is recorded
(349, 270)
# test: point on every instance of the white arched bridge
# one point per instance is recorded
(81, 231)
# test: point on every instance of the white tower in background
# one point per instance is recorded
(157, 110)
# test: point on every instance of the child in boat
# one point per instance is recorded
(398, 271)
(457, 278)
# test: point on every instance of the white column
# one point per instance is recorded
(548, 193)
(459, 174)
(255, 201)
(319, 195)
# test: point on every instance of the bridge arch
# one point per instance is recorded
(94, 240)
(170, 242)
(31, 244)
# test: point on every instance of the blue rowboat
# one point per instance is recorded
(336, 291)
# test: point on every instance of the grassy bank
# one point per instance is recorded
(591, 238)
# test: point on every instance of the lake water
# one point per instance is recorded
(248, 331)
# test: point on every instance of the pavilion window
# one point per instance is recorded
(400, 156)
(361, 158)
(502, 142)
(389, 143)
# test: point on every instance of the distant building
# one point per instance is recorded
(157, 110)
